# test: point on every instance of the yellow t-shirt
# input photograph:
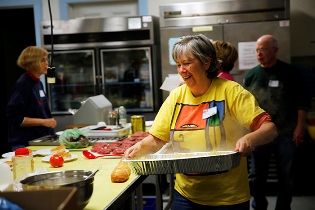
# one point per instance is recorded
(215, 120)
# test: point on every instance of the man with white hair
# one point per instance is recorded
(280, 90)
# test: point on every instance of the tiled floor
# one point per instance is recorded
(304, 197)
(298, 203)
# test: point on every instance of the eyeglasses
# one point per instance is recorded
(263, 50)
(44, 60)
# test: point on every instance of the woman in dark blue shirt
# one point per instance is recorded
(28, 112)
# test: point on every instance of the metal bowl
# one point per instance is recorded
(68, 178)
(212, 162)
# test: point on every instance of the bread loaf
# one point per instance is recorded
(58, 149)
(121, 172)
(64, 154)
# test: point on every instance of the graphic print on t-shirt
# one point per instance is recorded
(191, 133)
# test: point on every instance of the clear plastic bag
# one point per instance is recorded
(70, 137)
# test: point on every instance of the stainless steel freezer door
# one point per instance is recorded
(128, 78)
(75, 79)
(250, 32)
(213, 32)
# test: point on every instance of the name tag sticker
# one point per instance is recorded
(41, 93)
(273, 83)
(209, 112)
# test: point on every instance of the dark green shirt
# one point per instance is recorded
(280, 90)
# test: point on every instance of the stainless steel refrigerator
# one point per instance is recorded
(239, 22)
(118, 57)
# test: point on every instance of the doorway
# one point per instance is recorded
(15, 35)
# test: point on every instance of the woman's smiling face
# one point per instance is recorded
(192, 70)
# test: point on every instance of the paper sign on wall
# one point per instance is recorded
(171, 43)
(247, 55)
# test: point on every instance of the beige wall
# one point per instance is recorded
(54, 4)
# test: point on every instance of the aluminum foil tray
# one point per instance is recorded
(212, 162)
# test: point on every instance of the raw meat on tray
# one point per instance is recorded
(120, 146)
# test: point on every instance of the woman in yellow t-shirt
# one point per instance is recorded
(204, 113)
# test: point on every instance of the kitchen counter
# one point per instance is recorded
(106, 195)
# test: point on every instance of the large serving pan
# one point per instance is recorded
(213, 162)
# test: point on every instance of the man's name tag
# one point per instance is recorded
(273, 83)
(209, 112)
(41, 93)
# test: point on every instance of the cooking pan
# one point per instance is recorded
(212, 162)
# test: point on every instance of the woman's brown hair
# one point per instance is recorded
(30, 58)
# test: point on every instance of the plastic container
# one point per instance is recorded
(22, 162)
(6, 176)
(122, 116)
(148, 98)
(112, 117)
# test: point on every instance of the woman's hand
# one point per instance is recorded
(133, 150)
(244, 146)
(266, 133)
(50, 123)
(148, 145)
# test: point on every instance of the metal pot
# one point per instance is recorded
(68, 178)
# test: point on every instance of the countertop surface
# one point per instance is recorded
(105, 194)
